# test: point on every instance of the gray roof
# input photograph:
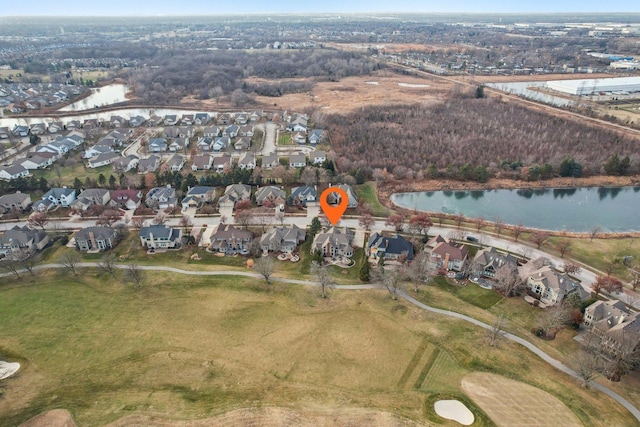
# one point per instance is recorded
(200, 190)
(59, 192)
(14, 169)
(14, 199)
(99, 233)
(21, 235)
(159, 231)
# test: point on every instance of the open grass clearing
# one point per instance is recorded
(367, 194)
(194, 347)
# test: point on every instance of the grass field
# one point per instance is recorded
(367, 193)
(184, 347)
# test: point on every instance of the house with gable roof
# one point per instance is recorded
(552, 287)
(150, 164)
(614, 324)
(488, 260)
(90, 197)
(334, 242)
(301, 195)
(227, 239)
(160, 236)
(96, 239)
(446, 255)
(271, 194)
(15, 201)
(389, 248)
(162, 197)
(126, 199)
(9, 173)
(282, 239)
(202, 162)
(19, 240)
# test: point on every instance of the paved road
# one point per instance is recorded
(544, 356)
(269, 140)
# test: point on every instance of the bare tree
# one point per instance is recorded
(396, 221)
(518, 229)
(391, 279)
(593, 233)
(420, 271)
(70, 260)
(620, 356)
(606, 283)
(244, 217)
(108, 217)
(160, 218)
(420, 224)
(571, 268)
(508, 282)
(554, 317)
(265, 266)
(635, 280)
(564, 246)
(459, 220)
(12, 264)
(309, 176)
(540, 238)
(29, 261)
(137, 222)
(496, 331)
(587, 367)
(366, 221)
(134, 274)
(187, 223)
(38, 220)
(323, 276)
(480, 224)
(498, 225)
(108, 264)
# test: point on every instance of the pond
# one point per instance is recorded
(106, 95)
(612, 209)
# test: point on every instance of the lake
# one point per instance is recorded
(106, 95)
(575, 209)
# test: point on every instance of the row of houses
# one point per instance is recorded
(20, 97)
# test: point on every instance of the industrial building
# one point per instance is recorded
(595, 86)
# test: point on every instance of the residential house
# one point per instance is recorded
(488, 260)
(178, 144)
(221, 143)
(223, 119)
(243, 143)
(21, 240)
(36, 161)
(241, 118)
(297, 160)
(16, 201)
(5, 133)
(150, 164)
(297, 123)
(202, 118)
(198, 195)
(117, 122)
(160, 237)
(334, 243)
(20, 131)
(299, 137)
(270, 161)
(186, 132)
(155, 121)
(73, 124)
(316, 136)
(301, 195)
(38, 128)
(170, 132)
(395, 248)
(229, 239)
(446, 255)
(318, 157)
(96, 239)
(60, 196)
(271, 195)
(89, 124)
(126, 199)
(205, 144)
(174, 164)
(103, 159)
(220, 163)
(553, 287)
(157, 145)
(119, 135)
(334, 198)
(247, 161)
(616, 325)
(161, 198)
(231, 131)
(246, 130)
(171, 120)
(282, 239)
(125, 164)
(55, 127)
(211, 131)
(202, 162)
(13, 172)
(256, 115)
(236, 192)
(136, 121)
(96, 150)
(187, 119)
(90, 197)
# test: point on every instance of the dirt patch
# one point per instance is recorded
(53, 418)
(278, 417)
(526, 405)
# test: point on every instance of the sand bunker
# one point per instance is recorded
(412, 85)
(454, 410)
(7, 369)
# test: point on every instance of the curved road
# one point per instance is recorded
(544, 356)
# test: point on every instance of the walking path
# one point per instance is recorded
(544, 356)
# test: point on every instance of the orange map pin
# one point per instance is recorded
(334, 212)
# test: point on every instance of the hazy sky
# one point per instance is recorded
(213, 7)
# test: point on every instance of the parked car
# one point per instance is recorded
(472, 238)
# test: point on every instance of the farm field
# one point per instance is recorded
(184, 347)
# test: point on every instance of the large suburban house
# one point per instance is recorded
(446, 255)
(247, 161)
(301, 195)
(220, 163)
(297, 160)
(334, 242)
(150, 164)
(160, 236)
(16, 201)
(157, 145)
(613, 323)
(236, 192)
(488, 260)
(126, 199)
(36, 161)
(12, 172)
(335, 198)
(174, 164)
(283, 239)
(228, 239)
(389, 248)
(161, 198)
(95, 239)
(202, 162)
(198, 195)
(90, 197)
(103, 159)
(271, 195)
(55, 197)
(318, 157)
(125, 164)
(270, 161)
(553, 287)
(22, 240)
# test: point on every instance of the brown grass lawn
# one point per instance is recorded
(184, 347)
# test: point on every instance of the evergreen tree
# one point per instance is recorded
(314, 227)
(365, 270)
